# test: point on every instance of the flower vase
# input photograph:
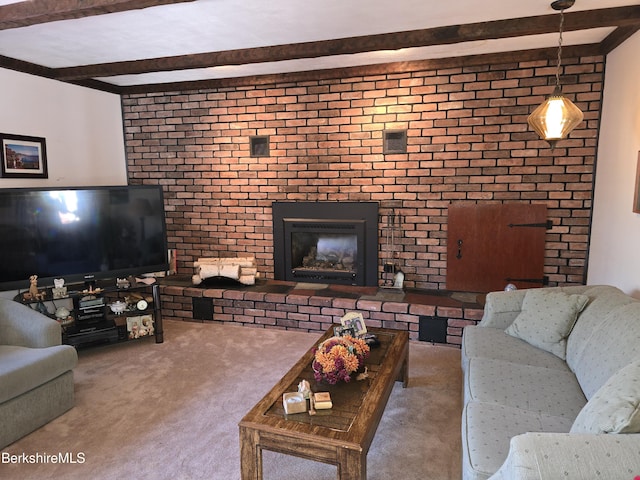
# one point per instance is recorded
(338, 359)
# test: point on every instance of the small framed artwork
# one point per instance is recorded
(636, 195)
(23, 156)
(339, 331)
(354, 321)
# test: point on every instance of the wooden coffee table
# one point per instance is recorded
(340, 436)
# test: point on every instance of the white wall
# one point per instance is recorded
(83, 130)
(614, 255)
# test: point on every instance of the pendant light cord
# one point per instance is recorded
(559, 50)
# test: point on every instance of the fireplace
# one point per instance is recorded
(326, 242)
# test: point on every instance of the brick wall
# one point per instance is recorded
(468, 141)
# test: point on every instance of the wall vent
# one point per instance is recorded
(395, 141)
(432, 329)
(259, 146)
(202, 308)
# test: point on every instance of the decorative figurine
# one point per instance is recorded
(42, 308)
(147, 325)
(134, 332)
(92, 289)
(118, 307)
(398, 279)
(33, 293)
(62, 313)
(58, 290)
(304, 387)
(63, 316)
(33, 286)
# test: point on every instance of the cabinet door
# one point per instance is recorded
(491, 245)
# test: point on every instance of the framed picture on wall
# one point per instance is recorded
(636, 195)
(23, 156)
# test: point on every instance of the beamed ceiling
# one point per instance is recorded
(125, 46)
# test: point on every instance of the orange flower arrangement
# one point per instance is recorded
(337, 358)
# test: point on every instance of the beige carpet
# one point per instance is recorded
(170, 411)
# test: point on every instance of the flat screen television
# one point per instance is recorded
(80, 234)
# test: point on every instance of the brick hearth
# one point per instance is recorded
(313, 308)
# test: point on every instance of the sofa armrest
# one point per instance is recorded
(501, 308)
(549, 456)
(22, 326)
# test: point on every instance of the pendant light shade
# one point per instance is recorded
(555, 118)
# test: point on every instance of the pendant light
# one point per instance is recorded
(557, 116)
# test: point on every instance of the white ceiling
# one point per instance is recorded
(206, 26)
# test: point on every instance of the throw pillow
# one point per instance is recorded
(615, 407)
(547, 318)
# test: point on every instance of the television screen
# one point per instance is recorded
(80, 233)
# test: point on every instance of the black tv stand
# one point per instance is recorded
(91, 320)
(103, 335)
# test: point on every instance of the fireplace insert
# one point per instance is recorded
(326, 242)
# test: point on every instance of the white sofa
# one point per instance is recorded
(552, 386)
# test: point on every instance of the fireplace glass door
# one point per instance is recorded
(324, 252)
(330, 251)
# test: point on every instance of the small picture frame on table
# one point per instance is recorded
(343, 332)
(354, 321)
(23, 156)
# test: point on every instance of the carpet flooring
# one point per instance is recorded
(170, 411)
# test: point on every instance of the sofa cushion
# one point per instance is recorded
(604, 299)
(23, 368)
(554, 456)
(486, 342)
(546, 319)
(536, 389)
(615, 407)
(488, 428)
(501, 308)
(612, 345)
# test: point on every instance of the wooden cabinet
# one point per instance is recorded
(492, 245)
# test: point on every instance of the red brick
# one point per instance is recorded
(344, 303)
(395, 307)
(372, 305)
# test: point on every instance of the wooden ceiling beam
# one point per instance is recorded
(616, 37)
(611, 17)
(33, 12)
(45, 72)
(367, 70)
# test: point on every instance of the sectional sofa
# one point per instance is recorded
(36, 371)
(552, 386)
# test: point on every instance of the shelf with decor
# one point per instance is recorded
(94, 314)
